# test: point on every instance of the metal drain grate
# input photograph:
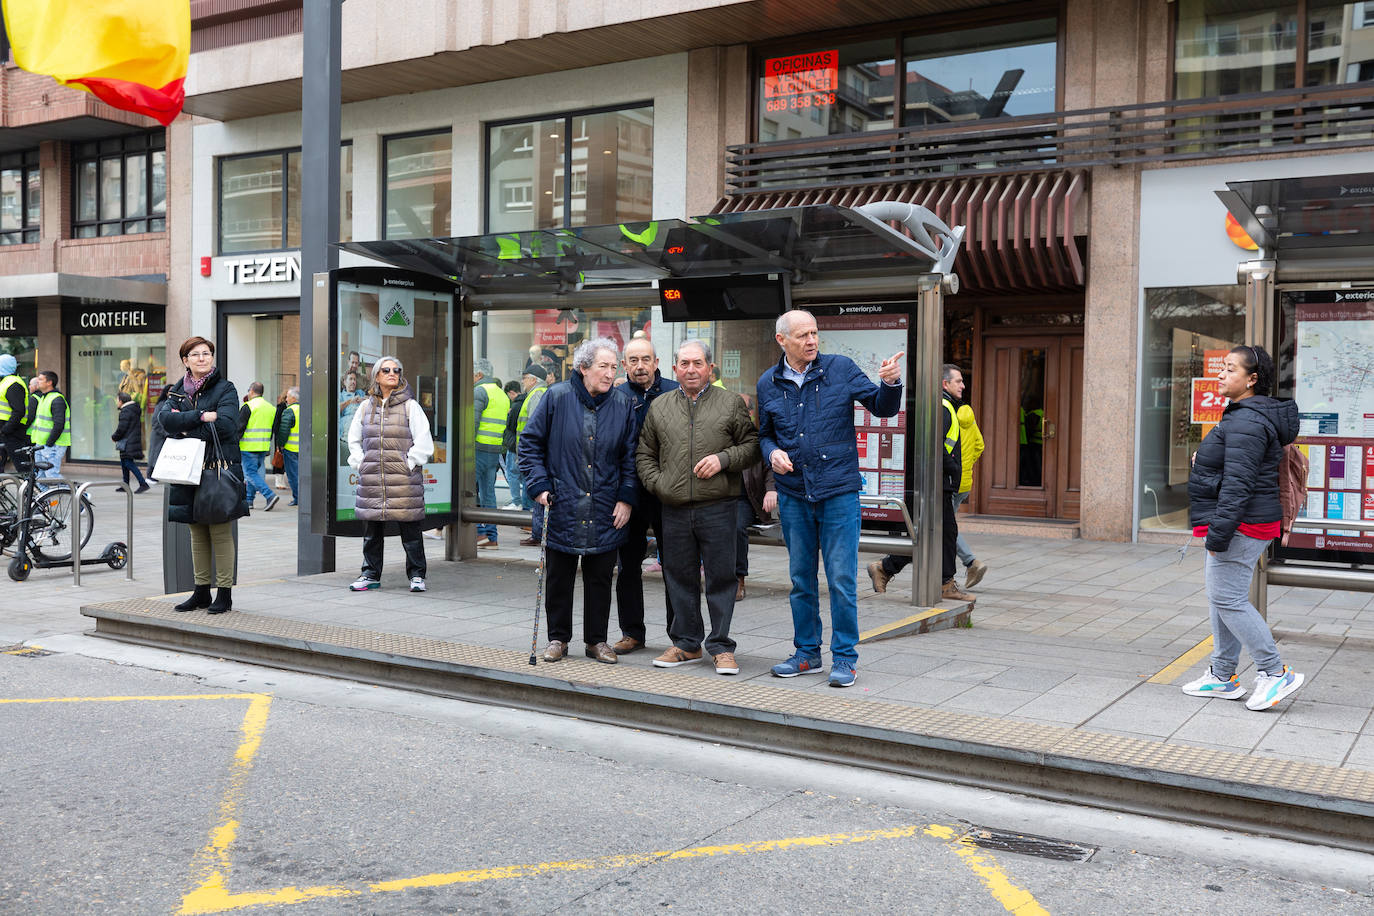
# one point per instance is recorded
(1029, 845)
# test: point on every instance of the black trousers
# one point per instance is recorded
(701, 540)
(8, 445)
(629, 583)
(949, 545)
(560, 577)
(745, 519)
(412, 541)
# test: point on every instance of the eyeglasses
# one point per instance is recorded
(394, 370)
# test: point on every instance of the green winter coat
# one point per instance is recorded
(678, 433)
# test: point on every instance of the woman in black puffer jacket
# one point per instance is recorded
(1234, 494)
(203, 400)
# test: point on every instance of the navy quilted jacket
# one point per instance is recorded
(582, 449)
(1235, 476)
(815, 424)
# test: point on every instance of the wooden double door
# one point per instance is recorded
(1029, 408)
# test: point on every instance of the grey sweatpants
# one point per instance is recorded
(1235, 622)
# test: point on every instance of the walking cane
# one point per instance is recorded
(539, 591)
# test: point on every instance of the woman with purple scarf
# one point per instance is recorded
(204, 400)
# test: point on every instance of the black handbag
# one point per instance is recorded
(221, 494)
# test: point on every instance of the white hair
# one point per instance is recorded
(586, 352)
(783, 325)
(695, 342)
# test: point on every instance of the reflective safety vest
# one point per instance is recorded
(492, 425)
(951, 437)
(258, 436)
(293, 441)
(43, 422)
(523, 417)
(1032, 427)
(6, 384)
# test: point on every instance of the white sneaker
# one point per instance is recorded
(1271, 688)
(510, 507)
(1209, 685)
(364, 583)
(417, 584)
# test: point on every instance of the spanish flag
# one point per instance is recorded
(131, 54)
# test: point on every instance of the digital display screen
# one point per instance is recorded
(724, 298)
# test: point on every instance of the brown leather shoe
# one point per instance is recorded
(951, 591)
(529, 542)
(739, 592)
(556, 650)
(673, 656)
(626, 645)
(725, 663)
(875, 572)
(602, 653)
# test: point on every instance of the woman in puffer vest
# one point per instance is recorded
(388, 445)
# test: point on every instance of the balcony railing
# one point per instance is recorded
(1326, 118)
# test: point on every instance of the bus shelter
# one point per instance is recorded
(1310, 302)
(873, 276)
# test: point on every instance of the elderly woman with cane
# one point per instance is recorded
(577, 453)
(388, 444)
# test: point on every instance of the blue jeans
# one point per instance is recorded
(961, 546)
(830, 527)
(1235, 622)
(487, 463)
(53, 455)
(515, 480)
(292, 463)
(252, 473)
(129, 465)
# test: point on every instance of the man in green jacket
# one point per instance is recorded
(694, 444)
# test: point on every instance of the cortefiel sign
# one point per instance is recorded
(116, 318)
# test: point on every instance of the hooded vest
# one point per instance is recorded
(388, 491)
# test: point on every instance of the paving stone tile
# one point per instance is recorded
(1316, 744)
(1233, 732)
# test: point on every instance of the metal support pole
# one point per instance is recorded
(923, 419)
(322, 25)
(1259, 307)
(461, 542)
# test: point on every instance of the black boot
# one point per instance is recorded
(199, 598)
(224, 600)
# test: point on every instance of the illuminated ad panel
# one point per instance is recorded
(801, 81)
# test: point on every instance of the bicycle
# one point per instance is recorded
(39, 521)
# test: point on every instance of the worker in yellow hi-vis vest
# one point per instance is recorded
(14, 409)
(255, 444)
(49, 423)
(490, 409)
(289, 438)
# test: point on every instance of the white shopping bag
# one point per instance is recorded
(180, 461)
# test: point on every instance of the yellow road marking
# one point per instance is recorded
(1183, 663)
(904, 622)
(182, 696)
(211, 866)
(1014, 899)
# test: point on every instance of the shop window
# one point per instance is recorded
(121, 185)
(20, 198)
(101, 366)
(419, 185)
(1188, 330)
(584, 169)
(980, 73)
(260, 200)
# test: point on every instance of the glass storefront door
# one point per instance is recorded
(102, 365)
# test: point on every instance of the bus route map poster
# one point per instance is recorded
(1334, 388)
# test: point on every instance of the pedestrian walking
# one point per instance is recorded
(14, 411)
(577, 453)
(534, 385)
(289, 438)
(510, 464)
(128, 441)
(694, 445)
(806, 432)
(204, 405)
(255, 444)
(389, 442)
(1233, 492)
(49, 426)
(971, 448)
(490, 407)
(644, 384)
(951, 477)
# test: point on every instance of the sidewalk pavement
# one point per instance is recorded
(1088, 636)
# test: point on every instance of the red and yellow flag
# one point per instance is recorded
(131, 54)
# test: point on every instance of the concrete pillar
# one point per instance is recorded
(182, 259)
(717, 116)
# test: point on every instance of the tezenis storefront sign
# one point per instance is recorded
(114, 318)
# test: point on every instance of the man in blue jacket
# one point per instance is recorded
(806, 432)
(578, 457)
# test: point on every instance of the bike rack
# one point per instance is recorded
(77, 495)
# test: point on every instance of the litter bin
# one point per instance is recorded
(178, 574)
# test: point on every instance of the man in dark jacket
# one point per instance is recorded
(692, 448)
(951, 473)
(806, 431)
(128, 440)
(577, 453)
(14, 410)
(643, 384)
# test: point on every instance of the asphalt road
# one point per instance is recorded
(153, 782)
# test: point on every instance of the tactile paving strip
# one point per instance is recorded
(747, 700)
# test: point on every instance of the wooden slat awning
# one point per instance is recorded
(1025, 233)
